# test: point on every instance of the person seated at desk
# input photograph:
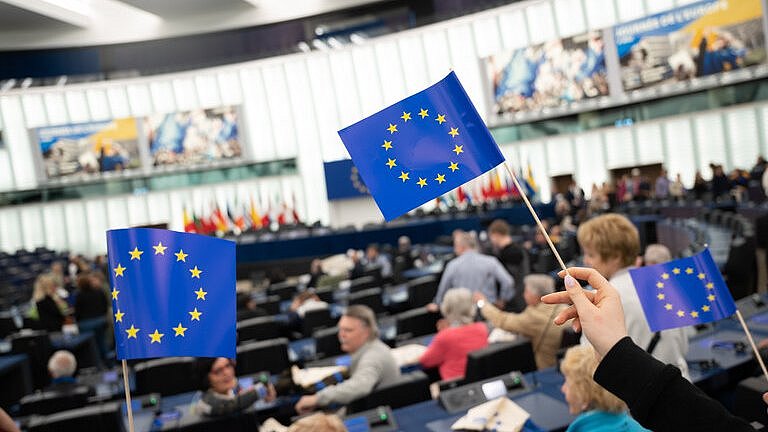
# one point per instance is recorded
(475, 271)
(91, 308)
(306, 301)
(50, 310)
(62, 366)
(247, 307)
(458, 335)
(315, 273)
(534, 322)
(597, 409)
(372, 363)
(374, 258)
(224, 394)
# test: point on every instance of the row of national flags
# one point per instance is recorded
(239, 217)
(495, 185)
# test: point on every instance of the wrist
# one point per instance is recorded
(480, 304)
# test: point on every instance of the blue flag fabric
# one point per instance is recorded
(421, 147)
(173, 294)
(683, 292)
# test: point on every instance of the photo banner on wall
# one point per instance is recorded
(696, 40)
(550, 74)
(193, 137)
(89, 148)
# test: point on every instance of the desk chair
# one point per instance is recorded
(271, 305)
(315, 320)
(53, 401)
(37, 346)
(326, 293)
(104, 417)
(500, 358)
(416, 322)
(167, 376)
(327, 342)
(269, 355)
(422, 290)
(363, 283)
(285, 290)
(245, 421)
(409, 389)
(259, 328)
(370, 297)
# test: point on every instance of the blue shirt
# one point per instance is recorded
(476, 272)
(603, 421)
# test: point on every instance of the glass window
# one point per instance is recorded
(513, 29)
(279, 106)
(185, 94)
(541, 23)
(229, 85)
(710, 140)
(560, 155)
(162, 97)
(680, 154)
(369, 85)
(34, 111)
(56, 108)
(650, 148)
(619, 148)
(139, 99)
(437, 53)
(570, 17)
(77, 106)
(207, 91)
(742, 134)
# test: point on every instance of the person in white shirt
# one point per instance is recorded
(610, 244)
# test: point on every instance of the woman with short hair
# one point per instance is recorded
(224, 395)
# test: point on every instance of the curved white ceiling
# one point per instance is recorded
(39, 24)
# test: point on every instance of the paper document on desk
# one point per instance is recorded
(499, 335)
(311, 376)
(407, 355)
(501, 415)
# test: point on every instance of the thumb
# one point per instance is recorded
(576, 293)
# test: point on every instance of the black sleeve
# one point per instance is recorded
(228, 406)
(658, 397)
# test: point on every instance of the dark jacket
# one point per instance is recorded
(89, 304)
(51, 318)
(658, 396)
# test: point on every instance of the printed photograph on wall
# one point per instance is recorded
(89, 148)
(550, 74)
(193, 137)
(696, 40)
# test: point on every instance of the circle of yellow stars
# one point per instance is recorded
(156, 336)
(405, 176)
(688, 271)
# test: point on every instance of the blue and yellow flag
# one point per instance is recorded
(173, 294)
(421, 147)
(683, 292)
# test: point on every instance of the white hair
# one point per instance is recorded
(62, 364)
(457, 306)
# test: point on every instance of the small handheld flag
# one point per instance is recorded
(683, 292)
(173, 294)
(421, 147)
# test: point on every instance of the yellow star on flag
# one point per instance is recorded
(710, 285)
(136, 254)
(119, 270)
(705, 308)
(195, 272)
(159, 248)
(660, 285)
(660, 296)
(391, 163)
(423, 113)
(179, 330)
(665, 275)
(453, 166)
(702, 276)
(440, 118)
(406, 116)
(422, 182)
(132, 332)
(195, 315)
(440, 178)
(711, 297)
(676, 271)
(453, 132)
(689, 271)
(458, 149)
(201, 294)
(680, 313)
(392, 128)
(694, 314)
(387, 145)
(403, 176)
(156, 336)
(119, 316)
(668, 306)
(181, 256)
(115, 292)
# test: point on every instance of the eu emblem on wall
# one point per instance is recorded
(173, 294)
(421, 147)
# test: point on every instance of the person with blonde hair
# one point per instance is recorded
(610, 244)
(458, 336)
(51, 309)
(534, 322)
(597, 409)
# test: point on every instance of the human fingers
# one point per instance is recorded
(592, 276)
(578, 297)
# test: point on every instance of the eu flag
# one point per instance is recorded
(421, 147)
(683, 292)
(173, 294)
